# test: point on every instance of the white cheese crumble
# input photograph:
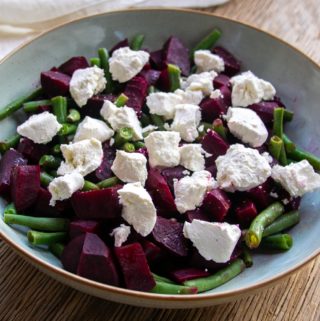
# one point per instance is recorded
(63, 187)
(216, 94)
(193, 97)
(130, 167)
(191, 157)
(126, 63)
(111, 142)
(138, 209)
(119, 117)
(93, 128)
(241, 169)
(297, 178)
(205, 60)
(84, 157)
(248, 89)
(246, 125)
(163, 148)
(40, 128)
(268, 157)
(214, 241)
(120, 234)
(190, 190)
(85, 83)
(200, 82)
(149, 128)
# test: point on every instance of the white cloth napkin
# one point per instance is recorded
(21, 20)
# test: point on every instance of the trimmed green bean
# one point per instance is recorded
(247, 257)
(123, 135)
(104, 62)
(161, 278)
(95, 61)
(109, 182)
(137, 42)
(266, 217)
(73, 116)
(289, 145)
(45, 179)
(8, 143)
(283, 156)
(38, 223)
(33, 106)
(18, 103)
(121, 100)
(10, 209)
(221, 277)
(282, 223)
(42, 238)
(138, 145)
(128, 147)
(157, 121)
(275, 146)
(67, 129)
(278, 121)
(50, 161)
(219, 128)
(145, 120)
(53, 173)
(288, 115)
(56, 149)
(89, 186)
(282, 242)
(174, 73)
(169, 288)
(298, 154)
(56, 249)
(207, 42)
(59, 108)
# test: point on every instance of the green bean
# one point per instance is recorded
(161, 278)
(282, 223)
(109, 182)
(67, 129)
(288, 115)
(278, 121)
(151, 90)
(38, 223)
(18, 103)
(40, 238)
(128, 147)
(266, 217)
(56, 249)
(89, 186)
(298, 154)
(247, 257)
(45, 179)
(157, 121)
(137, 42)
(56, 149)
(10, 142)
(174, 73)
(221, 277)
(138, 145)
(10, 209)
(59, 108)
(104, 62)
(169, 288)
(281, 242)
(121, 100)
(208, 41)
(145, 120)
(219, 128)
(289, 145)
(275, 146)
(50, 161)
(33, 106)
(123, 135)
(73, 116)
(53, 173)
(283, 156)
(95, 61)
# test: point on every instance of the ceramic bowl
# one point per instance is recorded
(294, 75)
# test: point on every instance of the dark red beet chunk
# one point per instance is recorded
(152, 251)
(176, 53)
(79, 227)
(135, 268)
(212, 108)
(216, 203)
(151, 76)
(55, 83)
(168, 234)
(265, 109)
(211, 167)
(120, 44)
(136, 90)
(213, 144)
(25, 185)
(156, 59)
(71, 254)
(97, 204)
(74, 63)
(164, 81)
(232, 65)
(186, 274)
(226, 95)
(173, 173)
(32, 151)
(94, 104)
(245, 212)
(261, 194)
(159, 190)
(96, 262)
(197, 214)
(9, 160)
(221, 80)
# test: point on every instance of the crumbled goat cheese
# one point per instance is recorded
(205, 60)
(248, 89)
(85, 83)
(93, 128)
(297, 178)
(191, 157)
(186, 172)
(189, 191)
(111, 142)
(241, 169)
(84, 157)
(216, 94)
(120, 234)
(268, 157)
(202, 82)
(121, 117)
(273, 194)
(62, 188)
(149, 128)
(126, 63)
(130, 167)
(246, 125)
(186, 121)
(190, 96)
(166, 126)
(201, 128)
(214, 241)
(138, 209)
(163, 148)
(40, 128)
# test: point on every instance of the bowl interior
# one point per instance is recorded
(295, 77)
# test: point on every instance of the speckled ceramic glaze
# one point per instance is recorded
(296, 78)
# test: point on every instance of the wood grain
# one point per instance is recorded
(27, 294)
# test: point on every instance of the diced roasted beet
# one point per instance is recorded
(197, 214)
(9, 160)
(143, 151)
(245, 212)
(152, 251)
(97, 204)
(55, 83)
(294, 204)
(79, 227)
(226, 95)
(168, 234)
(96, 261)
(136, 90)
(151, 76)
(232, 65)
(120, 44)
(172, 173)
(265, 109)
(211, 166)
(159, 190)
(25, 185)
(213, 144)
(261, 194)
(221, 80)
(216, 203)
(156, 59)
(94, 104)
(164, 81)
(43, 108)
(186, 274)
(74, 63)
(32, 151)
(175, 52)
(135, 268)
(212, 108)
(71, 254)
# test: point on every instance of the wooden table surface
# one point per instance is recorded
(27, 294)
